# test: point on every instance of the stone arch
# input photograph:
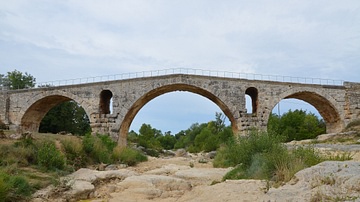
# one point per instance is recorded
(325, 104)
(139, 103)
(40, 104)
(253, 93)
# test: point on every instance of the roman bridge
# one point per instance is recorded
(339, 104)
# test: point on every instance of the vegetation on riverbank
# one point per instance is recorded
(30, 164)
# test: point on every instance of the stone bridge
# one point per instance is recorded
(24, 109)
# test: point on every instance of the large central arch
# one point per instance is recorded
(324, 104)
(138, 104)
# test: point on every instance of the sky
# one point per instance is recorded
(66, 39)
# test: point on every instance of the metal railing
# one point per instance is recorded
(199, 72)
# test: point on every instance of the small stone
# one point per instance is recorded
(111, 167)
(211, 155)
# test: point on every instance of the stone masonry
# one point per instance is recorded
(24, 109)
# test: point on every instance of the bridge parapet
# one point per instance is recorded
(196, 72)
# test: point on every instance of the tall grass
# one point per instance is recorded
(14, 187)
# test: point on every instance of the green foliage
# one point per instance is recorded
(46, 156)
(296, 125)
(199, 137)
(49, 157)
(95, 148)
(262, 156)
(74, 153)
(67, 116)
(128, 156)
(167, 141)
(22, 153)
(102, 149)
(17, 80)
(14, 187)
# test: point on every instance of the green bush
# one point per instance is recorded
(88, 143)
(128, 156)
(74, 153)
(262, 156)
(49, 157)
(102, 149)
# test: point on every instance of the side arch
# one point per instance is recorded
(39, 105)
(326, 106)
(139, 103)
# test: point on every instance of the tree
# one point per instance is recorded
(296, 125)
(17, 80)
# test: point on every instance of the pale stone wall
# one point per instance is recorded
(352, 104)
(3, 107)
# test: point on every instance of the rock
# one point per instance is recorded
(211, 155)
(169, 169)
(230, 190)
(181, 153)
(332, 136)
(203, 174)
(203, 160)
(169, 153)
(79, 190)
(140, 148)
(111, 167)
(15, 136)
(328, 180)
(81, 184)
(27, 135)
(152, 186)
(101, 167)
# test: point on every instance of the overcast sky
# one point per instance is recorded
(58, 39)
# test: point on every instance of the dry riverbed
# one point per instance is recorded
(192, 178)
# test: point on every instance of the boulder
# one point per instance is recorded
(181, 153)
(328, 180)
(80, 184)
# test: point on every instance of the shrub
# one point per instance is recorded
(14, 187)
(88, 143)
(20, 155)
(263, 156)
(107, 142)
(101, 149)
(74, 153)
(128, 156)
(95, 149)
(241, 150)
(49, 157)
